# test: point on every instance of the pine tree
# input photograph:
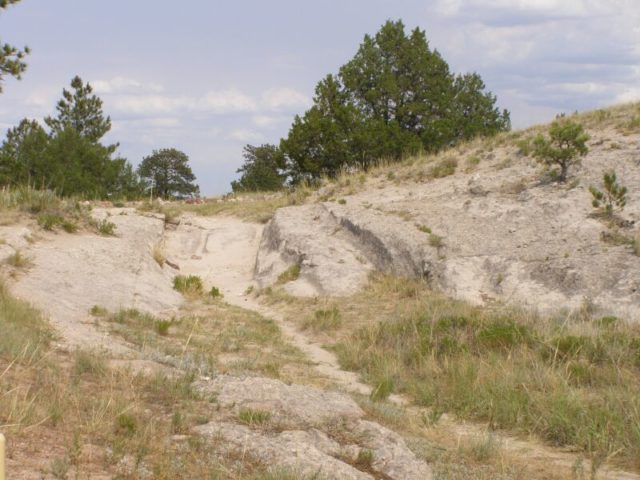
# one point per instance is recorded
(564, 147)
(613, 197)
(23, 155)
(82, 111)
(169, 173)
(395, 97)
(262, 169)
(11, 58)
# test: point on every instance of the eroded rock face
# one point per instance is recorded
(495, 234)
(309, 431)
(70, 273)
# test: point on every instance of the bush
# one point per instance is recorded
(215, 292)
(564, 147)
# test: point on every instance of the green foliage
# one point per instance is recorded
(70, 158)
(262, 169)
(126, 424)
(169, 173)
(252, 417)
(613, 197)
(49, 221)
(289, 275)
(81, 111)
(11, 58)
(436, 241)
(396, 96)
(564, 147)
(215, 292)
(188, 285)
(98, 311)
(162, 327)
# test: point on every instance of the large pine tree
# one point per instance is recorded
(396, 96)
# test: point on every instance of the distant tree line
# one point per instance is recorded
(395, 97)
(70, 158)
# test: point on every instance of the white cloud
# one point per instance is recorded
(266, 121)
(629, 94)
(284, 99)
(245, 135)
(227, 101)
(124, 85)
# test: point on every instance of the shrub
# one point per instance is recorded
(215, 292)
(188, 285)
(614, 195)
(564, 147)
(423, 228)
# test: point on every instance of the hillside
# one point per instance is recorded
(457, 316)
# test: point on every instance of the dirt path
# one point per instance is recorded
(222, 251)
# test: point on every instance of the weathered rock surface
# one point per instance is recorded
(71, 273)
(310, 431)
(504, 236)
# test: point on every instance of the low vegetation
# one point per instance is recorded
(289, 275)
(565, 144)
(570, 380)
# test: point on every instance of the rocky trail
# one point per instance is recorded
(316, 431)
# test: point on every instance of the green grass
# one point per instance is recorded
(252, 417)
(324, 320)
(190, 285)
(25, 332)
(289, 275)
(445, 167)
(571, 382)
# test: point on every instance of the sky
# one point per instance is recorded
(209, 76)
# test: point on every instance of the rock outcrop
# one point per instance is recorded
(308, 431)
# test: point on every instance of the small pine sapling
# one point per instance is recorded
(564, 147)
(613, 197)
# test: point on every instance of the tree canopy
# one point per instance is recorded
(396, 96)
(262, 169)
(169, 173)
(80, 110)
(69, 158)
(11, 58)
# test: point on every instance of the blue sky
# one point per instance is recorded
(208, 77)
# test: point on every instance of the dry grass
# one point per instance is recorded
(572, 381)
(256, 207)
(116, 422)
